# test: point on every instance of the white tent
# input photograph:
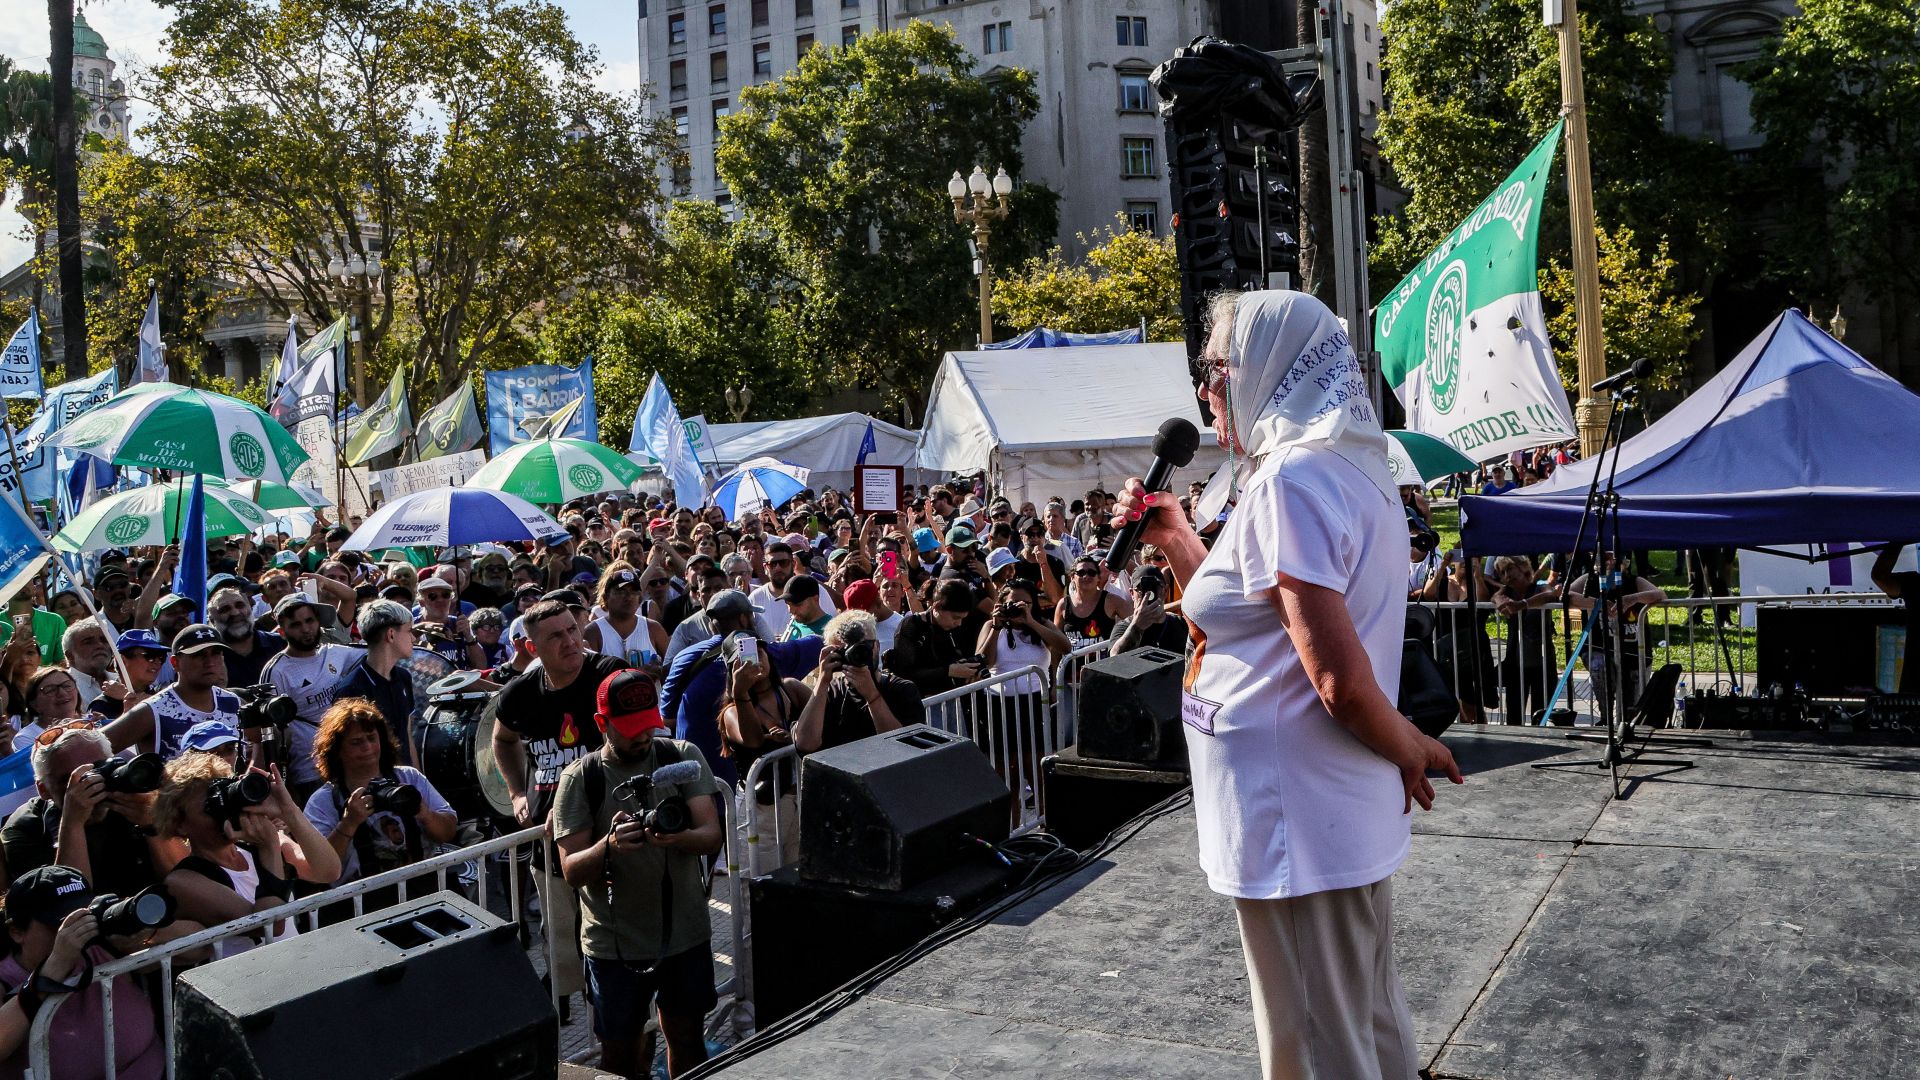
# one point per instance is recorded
(828, 445)
(1045, 422)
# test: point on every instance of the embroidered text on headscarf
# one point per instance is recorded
(1345, 371)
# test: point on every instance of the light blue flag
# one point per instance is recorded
(20, 363)
(16, 780)
(39, 465)
(658, 431)
(153, 354)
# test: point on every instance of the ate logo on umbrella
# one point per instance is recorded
(248, 455)
(584, 477)
(126, 528)
(92, 431)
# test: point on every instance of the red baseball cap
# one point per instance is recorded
(628, 700)
(862, 595)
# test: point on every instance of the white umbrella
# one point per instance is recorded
(453, 517)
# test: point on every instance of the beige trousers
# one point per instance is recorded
(560, 920)
(1327, 1002)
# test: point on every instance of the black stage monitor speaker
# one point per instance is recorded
(893, 809)
(1129, 708)
(435, 988)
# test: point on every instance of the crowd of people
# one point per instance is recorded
(265, 743)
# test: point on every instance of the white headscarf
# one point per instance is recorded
(1293, 380)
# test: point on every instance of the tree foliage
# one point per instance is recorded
(1125, 276)
(461, 142)
(1642, 305)
(1474, 84)
(1837, 95)
(844, 163)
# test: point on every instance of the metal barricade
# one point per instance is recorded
(1011, 717)
(1066, 685)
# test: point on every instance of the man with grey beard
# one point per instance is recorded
(248, 649)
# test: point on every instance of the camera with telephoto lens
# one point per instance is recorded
(393, 797)
(228, 796)
(671, 816)
(148, 909)
(130, 776)
(263, 706)
(856, 650)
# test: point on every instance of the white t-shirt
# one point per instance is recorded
(885, 630)
(389, 833)
(768, 601)
(309, 681)
(1422, 569)
(1288, 802)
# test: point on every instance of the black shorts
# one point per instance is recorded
(621, 990)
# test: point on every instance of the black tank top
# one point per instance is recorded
(1093, 627)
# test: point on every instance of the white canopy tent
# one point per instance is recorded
(1045, 422)
(828, 445)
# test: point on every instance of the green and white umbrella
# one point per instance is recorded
(164, 426)
(1423, 459)
(273, 497)
(156, 514)
(556, 471)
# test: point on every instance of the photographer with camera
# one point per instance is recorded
(196, 694)
(92, 811)
(632, 820)
(1150, 625)
(852, 698)
(239, 860)
(376, 813)
(59, 929)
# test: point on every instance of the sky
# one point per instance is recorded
(135, 33)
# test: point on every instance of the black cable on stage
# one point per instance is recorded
(1037, 880)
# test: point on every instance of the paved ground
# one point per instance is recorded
(1753, 917)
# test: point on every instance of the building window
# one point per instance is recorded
(996, 38)
(676, 29)
(680, 123)
(803, 9)
(720, 112)
(643, 8)
(762, 60)
(724, 200)
(849, 34)
(717, 68)
(1144, 217)
(677, 80)
(849, 5)
(97, 85)
(1135, 94)
(1369, 71)
(1131, 30)
(717, 20)
(759, 12)
(682, 178)
(1367, 31)
(801, 44)
(1136, 157)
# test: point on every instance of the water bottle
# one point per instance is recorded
(1679, 705)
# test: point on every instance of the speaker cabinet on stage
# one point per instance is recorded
(1089, 797)
(1129, 708)
(436, 989)
(810, 936)
(894, 809)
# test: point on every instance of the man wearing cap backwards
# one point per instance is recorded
(54, 951)
(644, 925)
(307, 671)
(543, 722)
(200, 667)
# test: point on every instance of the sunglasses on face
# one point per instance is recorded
(779, 562)
(1086, 573)
(1210, 374)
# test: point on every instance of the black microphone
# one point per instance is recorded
(1635, 371)
(1173, 448)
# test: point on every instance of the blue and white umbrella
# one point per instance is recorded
(763, 481)
(453, 517)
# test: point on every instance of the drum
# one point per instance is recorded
(449, 740)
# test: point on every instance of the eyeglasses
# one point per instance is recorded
(1210, 373)
(779, 562)
(1159, 560)
(52, 684)
(52, 734)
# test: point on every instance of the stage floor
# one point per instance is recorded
(1755, 917)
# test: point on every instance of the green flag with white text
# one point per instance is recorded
(384, 425)
(1463, 339)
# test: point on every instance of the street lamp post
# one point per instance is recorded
(989, 202)
(361, 275)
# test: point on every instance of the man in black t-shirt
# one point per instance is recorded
(1905, 587)
(853, 697)
(543, 722)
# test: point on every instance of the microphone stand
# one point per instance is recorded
(1603, 508)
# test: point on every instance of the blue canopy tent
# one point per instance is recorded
(1042, 338)
(1798, 440)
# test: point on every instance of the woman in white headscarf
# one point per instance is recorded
(1304, 771)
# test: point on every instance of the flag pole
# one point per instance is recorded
(1590, 414)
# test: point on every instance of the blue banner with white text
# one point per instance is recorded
(521, 400)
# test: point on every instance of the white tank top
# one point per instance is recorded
(246, 884)
(172, 717)
(636, 648)
(1015, 654)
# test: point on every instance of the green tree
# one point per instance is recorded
(1642, 305)
(724, 310)
(845, 160)
(26, 134)
(1126, 276)
(1473, 86)
(1837, 95)
(462, 143)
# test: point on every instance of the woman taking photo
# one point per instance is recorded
(1015, 638)
(1303, 768)
(376, 813)
(239, 860)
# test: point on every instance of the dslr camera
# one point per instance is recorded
(671, 815)
(394, 797)
(856, 650)
(229, 796)
(130, 776)
(263, 706)
(148, 909)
